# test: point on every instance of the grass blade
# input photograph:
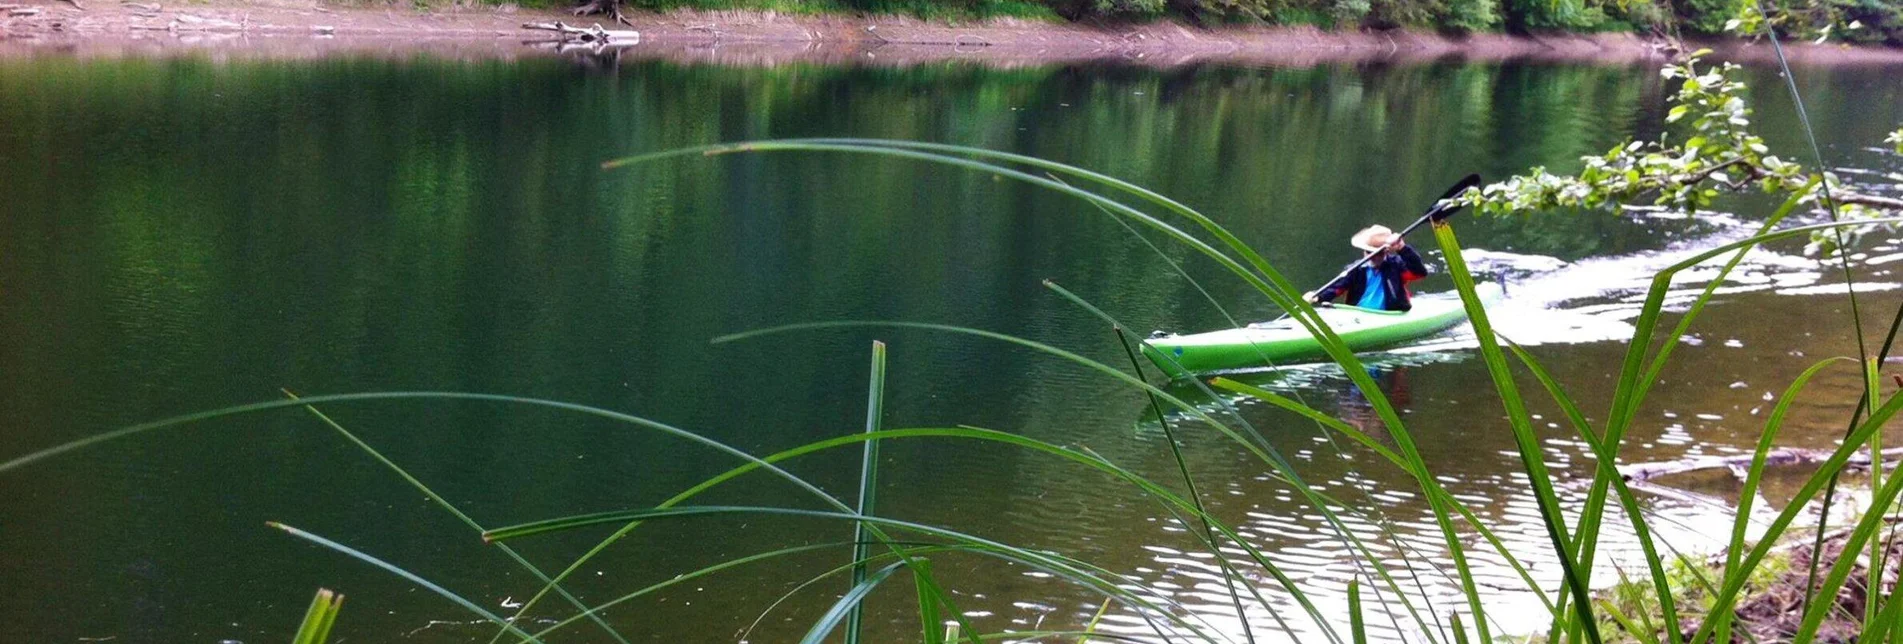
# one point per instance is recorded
(1356, 629)
(1466, 513)
(1531, 456)
(1727, 595)
(318, 619)
(1754, 476)
(1643, 635)
(868, 488)
(412, 577)
(1046, 562)
(1091, 628)
(1605, 457)
(914, 547)
(454, 511)
(1195, 496)
(848, 604)
(1631, 387)
(1884, 627)
(931, 623)
(1871, 524)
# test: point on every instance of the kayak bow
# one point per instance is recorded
(1267, 344)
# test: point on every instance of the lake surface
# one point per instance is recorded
(180, 235)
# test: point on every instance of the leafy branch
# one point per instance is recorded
(1720, 154)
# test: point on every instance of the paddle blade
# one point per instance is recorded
(1442, 208)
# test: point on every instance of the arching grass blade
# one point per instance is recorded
(454, 511)
(848, 604)
(412, 577)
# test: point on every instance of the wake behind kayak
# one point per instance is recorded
(1272, 343)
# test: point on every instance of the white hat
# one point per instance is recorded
(1364, 240)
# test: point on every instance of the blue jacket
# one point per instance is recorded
(1396, 269)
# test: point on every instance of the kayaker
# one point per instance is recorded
(1393, 266)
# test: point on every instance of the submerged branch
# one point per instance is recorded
(595, 34)
(1786, 456)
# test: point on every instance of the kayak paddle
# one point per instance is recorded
(1440, 211)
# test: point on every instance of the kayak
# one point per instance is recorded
(1265, 344)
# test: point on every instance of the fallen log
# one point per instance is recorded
(595, 34)
(1740, 464)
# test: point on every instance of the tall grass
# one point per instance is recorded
(885, 548)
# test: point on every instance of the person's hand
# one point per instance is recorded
(1310, 296)
(1397, 244)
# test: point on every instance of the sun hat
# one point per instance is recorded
(1364, 240)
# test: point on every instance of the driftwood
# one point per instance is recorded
(191, 23)
(1741, 463)
(594, 35)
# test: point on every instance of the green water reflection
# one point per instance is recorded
(177, 235)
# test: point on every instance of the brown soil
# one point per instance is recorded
(301, 28)
(1775, 613)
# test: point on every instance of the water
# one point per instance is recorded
(179, 235)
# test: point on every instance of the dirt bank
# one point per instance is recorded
(305, 28)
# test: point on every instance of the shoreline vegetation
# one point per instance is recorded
(306, 28)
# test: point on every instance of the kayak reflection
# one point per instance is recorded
(1324, 387)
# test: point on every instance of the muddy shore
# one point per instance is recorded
(306, 28)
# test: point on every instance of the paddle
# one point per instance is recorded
(1437, 213)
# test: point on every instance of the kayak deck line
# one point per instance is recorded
(1264, 344)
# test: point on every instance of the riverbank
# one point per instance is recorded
(1774, 597)
(302, 28)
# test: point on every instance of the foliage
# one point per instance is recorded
(1718, 154)
(1860, 21)
(1857, 21)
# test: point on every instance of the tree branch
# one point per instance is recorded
(1873, 201)
(1706, 173)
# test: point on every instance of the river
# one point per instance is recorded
(182, 234)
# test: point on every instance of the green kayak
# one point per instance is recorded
(1264, 344)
